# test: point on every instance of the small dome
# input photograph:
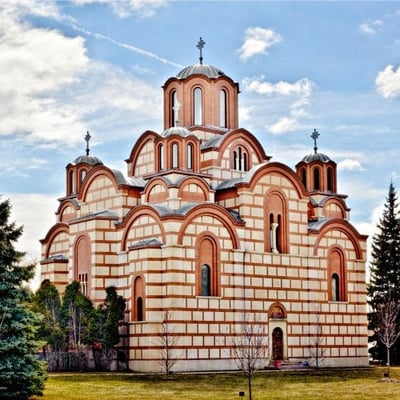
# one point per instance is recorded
(316, 157)
(200, 69)
(176, 130)
(91, 160)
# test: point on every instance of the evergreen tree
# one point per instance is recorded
(22, 375)
(108, 317)
(48, 303)
(384, 286)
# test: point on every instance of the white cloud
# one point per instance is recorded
(371, 27)
(297, 96)
(388, 82)
(283, 125)
(349, 165)
(126, 8)
(258, 41)
(35, 212)
(51, 92)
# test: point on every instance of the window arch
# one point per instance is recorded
(275, 222)
(223, 108)
(336, 275)
(207, 275)
(175, 155)
(197, 106)
(138, 306)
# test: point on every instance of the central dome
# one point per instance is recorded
(200, 69)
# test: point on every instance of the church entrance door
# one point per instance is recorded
(277, 344)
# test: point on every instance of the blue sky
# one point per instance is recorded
(67, 67)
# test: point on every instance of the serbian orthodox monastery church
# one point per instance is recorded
(205, 232)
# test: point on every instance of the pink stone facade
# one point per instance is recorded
(206, 231)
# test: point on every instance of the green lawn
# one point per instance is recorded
(282, 385)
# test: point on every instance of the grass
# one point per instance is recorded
(269, 385)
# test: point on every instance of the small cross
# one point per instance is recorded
(200, 46)
(87, 140)
(315, 136)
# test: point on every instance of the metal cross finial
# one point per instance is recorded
(200, 46)
(315, 136)
(87, 140)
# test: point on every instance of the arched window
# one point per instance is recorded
(205, 280)
(330, 180)
(303, 175)
(207, 275)
(189, 156)
(336, 275)
(317, 185)
(83, 264)
(240, 159)
(138, 312)
(198, 106)
(275, 223)
(235, 160)
(160, 157)
(174, 109)
(71, 182)
(222, 108)
(83, 174)
(175, 155)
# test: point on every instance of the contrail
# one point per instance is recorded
(126, 46)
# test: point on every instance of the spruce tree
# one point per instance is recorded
(22, 375)
(384, 285)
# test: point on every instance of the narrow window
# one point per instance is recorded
(175, 155)
(240, 159)
(160, 157)
(316, 179)
(207, 269)
(139, 308)
(83, 175)
(83, 280)
(197, 106)
(279, 234)
(174, 110)
(245, 167)
(189, 156)
(335, 295)
(205, 280)
(71, 182)
(222, 108)
(235, 164)
(304, 177)
(330, 179)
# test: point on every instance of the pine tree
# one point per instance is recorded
(384, 286)
(22, 375)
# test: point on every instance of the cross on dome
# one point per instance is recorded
(200, 46)
(315, 136)
(87, 140)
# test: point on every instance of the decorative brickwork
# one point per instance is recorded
(205, 229)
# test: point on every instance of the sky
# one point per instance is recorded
(68, 67)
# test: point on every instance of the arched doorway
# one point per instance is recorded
(277, 344)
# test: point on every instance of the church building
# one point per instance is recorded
(205, 234)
